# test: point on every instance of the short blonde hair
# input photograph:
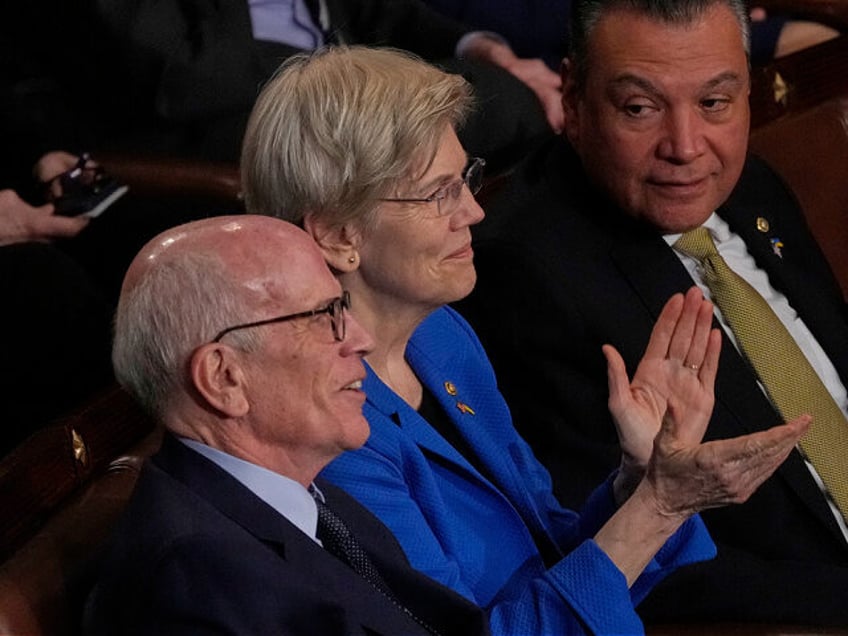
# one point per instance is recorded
(335, 130)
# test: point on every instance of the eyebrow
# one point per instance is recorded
(437, 182)
(727, 77)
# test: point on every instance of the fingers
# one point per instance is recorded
(546, 84)
(554, 113)
(684, 333)
(741, 464)
(54, 163)
(664, 328)
(709, 365)
(800, 425)
(619, 383)
(701, 329)
(691, 334)
(758, 14)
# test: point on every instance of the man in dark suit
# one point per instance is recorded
(193, 68)
(577, 253)
(234, 334)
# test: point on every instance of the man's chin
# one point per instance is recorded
(677, 217)
(359, 431)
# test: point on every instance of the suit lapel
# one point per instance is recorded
(432, 350)
(806, 296)
(224, 492)
(639, 261)
(384, 400)
(310, 561)
(789, 272)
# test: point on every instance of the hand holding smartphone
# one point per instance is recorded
(84, 190)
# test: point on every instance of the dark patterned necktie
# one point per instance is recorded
(784, 370)
(340, 542)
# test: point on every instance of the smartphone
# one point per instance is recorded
(91, 199)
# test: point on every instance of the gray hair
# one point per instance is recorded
(585, 15)
(335, 130)
(176, 307)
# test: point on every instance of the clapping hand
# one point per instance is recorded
(674, 378)
(662, 414)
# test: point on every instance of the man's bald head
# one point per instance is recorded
(193, 280)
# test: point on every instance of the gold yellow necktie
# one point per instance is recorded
(784, 370)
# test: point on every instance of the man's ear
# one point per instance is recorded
(570, 98)
(338, 244)
(219, 379)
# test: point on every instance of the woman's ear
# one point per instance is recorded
(219, 379)
(338, 244)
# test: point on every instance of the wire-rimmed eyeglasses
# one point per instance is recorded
(336, 310)
(447, 196)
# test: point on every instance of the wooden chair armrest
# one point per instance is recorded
(833, 13)
(799, 81)
(154, 176)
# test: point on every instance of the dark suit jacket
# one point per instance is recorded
(534, 28)
(561, 272)
(201, 59)
(190, 70)
(196, 552)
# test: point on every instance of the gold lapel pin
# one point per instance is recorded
(450, 387)
(465, 408)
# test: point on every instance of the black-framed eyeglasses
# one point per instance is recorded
(448, 195)
(336, 310)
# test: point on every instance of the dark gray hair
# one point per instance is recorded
(585, 15)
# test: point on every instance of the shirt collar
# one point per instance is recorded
(717, 226)
(286, 496)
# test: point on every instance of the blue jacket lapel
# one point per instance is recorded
(384, 400)
(439, 347)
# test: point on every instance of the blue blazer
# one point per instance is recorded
(475, 535)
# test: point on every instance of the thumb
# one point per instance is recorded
(617, 380)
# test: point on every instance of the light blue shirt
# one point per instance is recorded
(286, 21)
(284, 495)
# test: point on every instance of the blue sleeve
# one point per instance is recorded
(533, 602)
(690, 544)
(583, 593)
(441, 515)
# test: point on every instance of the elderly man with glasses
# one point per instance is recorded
(233, 333)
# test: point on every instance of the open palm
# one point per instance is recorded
(674, 380)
